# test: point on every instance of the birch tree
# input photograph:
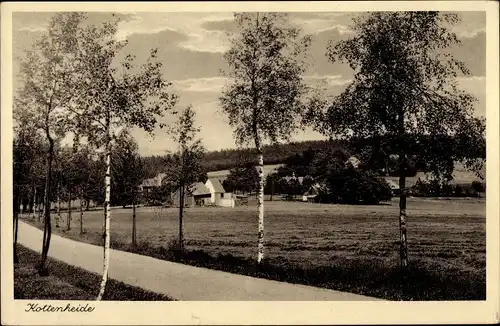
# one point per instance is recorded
(114, 95)
(48, 76)
(266, 96)
(405, 91)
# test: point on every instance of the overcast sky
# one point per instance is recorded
(191, 46)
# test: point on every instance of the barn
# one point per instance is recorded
(198, 195)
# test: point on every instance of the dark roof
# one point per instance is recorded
(217, 185)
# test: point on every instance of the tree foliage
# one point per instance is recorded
(243, 178)
(266, 60)
(127, 170)
(405, 89)
(185, 166)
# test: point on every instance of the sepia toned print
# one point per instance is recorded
(248, 156)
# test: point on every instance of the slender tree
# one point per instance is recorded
(265, 100)
(48, 78)
(114, 96)
(26, 153)
(128, 173)
(404, 88)
(185, 168)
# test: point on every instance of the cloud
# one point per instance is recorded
(329, 80)
(472, 23)
(33, 29)
(316, 26)
(189, 24)
(228, 25)
(471, 79)
(216, 84)
(210, 84)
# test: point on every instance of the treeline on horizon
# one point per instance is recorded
(371, 151)
(226, 159)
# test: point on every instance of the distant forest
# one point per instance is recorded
(372, 152)
(228, 158)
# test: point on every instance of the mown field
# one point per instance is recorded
(448, 233)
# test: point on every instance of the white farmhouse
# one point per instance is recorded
(219, 197)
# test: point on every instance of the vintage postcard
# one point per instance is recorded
(250, 163)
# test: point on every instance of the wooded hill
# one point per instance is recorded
(370, 151)
(229, 158)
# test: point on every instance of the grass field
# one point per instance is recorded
(443, 235)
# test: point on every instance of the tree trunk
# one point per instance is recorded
(40, 209)
(260, 202)
(81, 216)
(134, 230)
(107, 213)
(58, 216)
(16, 222)
(403, 249)
(34, 202)
(272, 189)
(87, 204)
(181, 212)
(68, 222)
(48, 225)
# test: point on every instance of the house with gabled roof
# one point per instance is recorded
(148, 184)
(217, 192)
(197, 194)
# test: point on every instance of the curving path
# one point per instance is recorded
(178, 281)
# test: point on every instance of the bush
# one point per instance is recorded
(459, 191)
(478, 186)
(435, 189)
(354, 186)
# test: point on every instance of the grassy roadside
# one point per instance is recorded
(373, 276)
(67, 282)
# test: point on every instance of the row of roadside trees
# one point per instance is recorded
(404, 87)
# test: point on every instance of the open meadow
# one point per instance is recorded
(449, 233)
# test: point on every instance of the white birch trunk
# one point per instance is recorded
(260, 201)
(107, 220)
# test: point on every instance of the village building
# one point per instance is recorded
(219, 197)
(196, 195)
(312, 194)
(211, 193)
(152, 183)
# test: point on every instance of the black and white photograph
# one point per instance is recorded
(253, 155)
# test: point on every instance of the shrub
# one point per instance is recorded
(470, 192)
(459, 191)
(478, 186)
(354, 186)
(447, 190)
(434, 189)
(420, 189)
